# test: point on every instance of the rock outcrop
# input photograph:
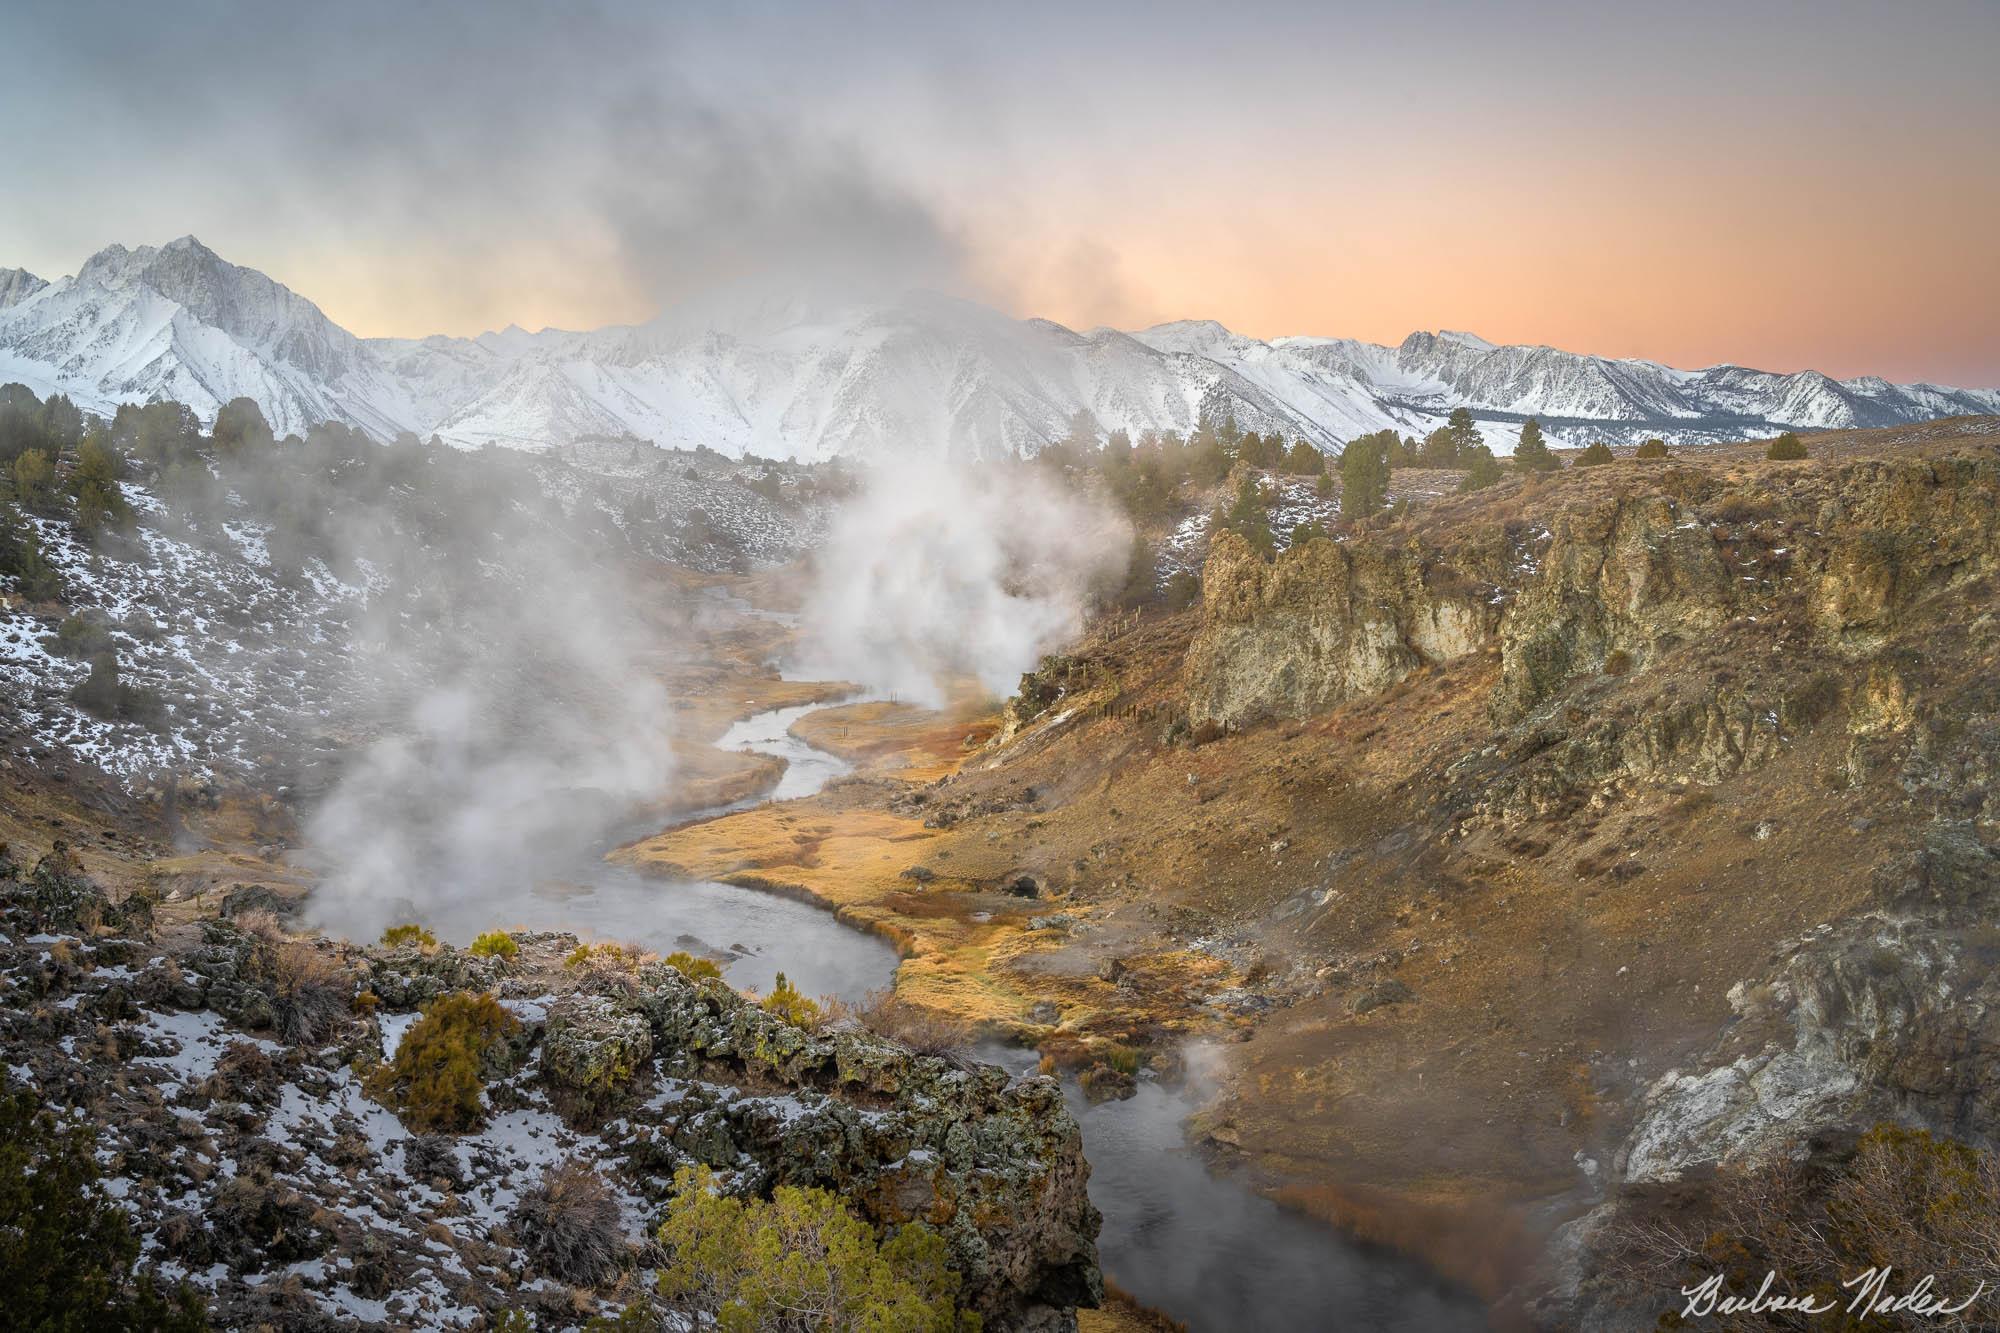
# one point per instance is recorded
(1617, 576)
(1323, 623)
(259, 1166)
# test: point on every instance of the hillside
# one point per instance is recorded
(1512, 860)
(179, 322)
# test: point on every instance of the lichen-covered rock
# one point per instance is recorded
(593, 1051)
(995, 1164)
(410, 976)
(243, 1158)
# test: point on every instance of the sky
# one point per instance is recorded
(1781, 185)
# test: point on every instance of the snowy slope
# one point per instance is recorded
(927, 371)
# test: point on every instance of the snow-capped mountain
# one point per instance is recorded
(177, 321)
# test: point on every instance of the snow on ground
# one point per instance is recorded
(249, 666)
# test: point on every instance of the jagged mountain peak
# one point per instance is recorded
(805, 376)
(17, 285)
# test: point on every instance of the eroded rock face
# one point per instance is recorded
(1657, 570)
(1890, 1016)
(1321, 624)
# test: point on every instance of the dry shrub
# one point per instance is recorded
(925, 1031)
(1901, 1199)
(244, 1074)
(1139, 1313)
(571, 1226)
(310, 990)
(605, 957)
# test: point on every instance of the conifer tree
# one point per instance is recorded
(1364, 476)
(1787, 448)
(1532, 453)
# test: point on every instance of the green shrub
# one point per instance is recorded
(1654, 448)
(21, 558)
(65, 1248)
(801, 1259)
(80, 638)
(1787, 448)
(694, 969)
(495, 944)
(1596, 454)
(395, 937)
(788, 1003)
(104, 693)
(435, 1080)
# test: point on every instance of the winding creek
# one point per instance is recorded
(1204, 1248)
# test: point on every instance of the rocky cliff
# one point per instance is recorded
(1719, 848)
(1588, 575)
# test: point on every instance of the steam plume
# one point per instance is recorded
(940, 570)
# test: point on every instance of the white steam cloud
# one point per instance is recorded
(518, 715)
(940, 571)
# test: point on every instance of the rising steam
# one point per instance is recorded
(518, 713)
(940, 571)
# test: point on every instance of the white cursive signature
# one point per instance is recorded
(1871, 1297)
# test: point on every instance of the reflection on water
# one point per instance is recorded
(806, 769)
(755, 935)
(1204, 1248)
(1215, 1254)
(1218, 1256)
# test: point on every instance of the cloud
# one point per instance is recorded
(701, 200)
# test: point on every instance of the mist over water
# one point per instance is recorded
(943, 569)
(1218, 1256)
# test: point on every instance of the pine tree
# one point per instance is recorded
(1654, 448)
(1440, 449)
(1229, 437)
(240, 429)
(1465, 436)
(34, 480)
(1596, 454)
(1364, 477)
(1482, 470)
(21, 558)
(100, 503)
(1249, 517)
(1304, 460)
(1532, 453)
(1787, 448)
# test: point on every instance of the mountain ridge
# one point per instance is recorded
(178, 321)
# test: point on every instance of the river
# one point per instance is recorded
(1203, 1247)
